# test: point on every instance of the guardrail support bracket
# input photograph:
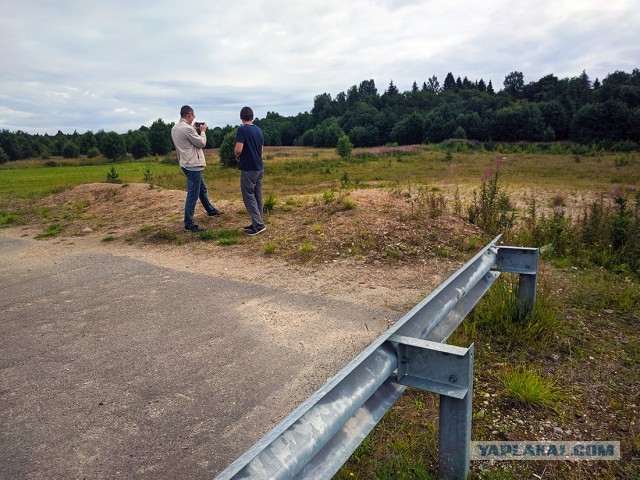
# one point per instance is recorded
(523, 261)
(448, 371)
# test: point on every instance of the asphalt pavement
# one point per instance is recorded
(111, 367)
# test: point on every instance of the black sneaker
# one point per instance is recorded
(193, 228)
(248, 227)
(216, 213)
(256, 231)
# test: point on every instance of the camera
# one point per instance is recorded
(197, 125)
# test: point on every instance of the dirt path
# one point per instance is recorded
(145, 224)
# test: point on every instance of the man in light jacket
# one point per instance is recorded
(189, 142)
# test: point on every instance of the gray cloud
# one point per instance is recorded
(118, 65)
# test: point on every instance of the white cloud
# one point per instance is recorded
(118, 65)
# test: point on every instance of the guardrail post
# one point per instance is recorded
(454, 438)
(523, 261)
(448, 371)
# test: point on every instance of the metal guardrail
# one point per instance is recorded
(318, 437)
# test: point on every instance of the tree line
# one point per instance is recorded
(606, 113)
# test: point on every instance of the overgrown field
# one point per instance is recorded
(569, 371)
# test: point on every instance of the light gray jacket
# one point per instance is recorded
(189, 144)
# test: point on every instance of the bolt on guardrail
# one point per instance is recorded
(317, 438)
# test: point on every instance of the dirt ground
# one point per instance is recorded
(381, 250)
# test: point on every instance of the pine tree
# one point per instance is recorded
(392, 89)
(449, 83)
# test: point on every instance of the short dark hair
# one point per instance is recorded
(246, 114)
(185, 110)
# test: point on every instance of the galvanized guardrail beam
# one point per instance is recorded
(317, 438)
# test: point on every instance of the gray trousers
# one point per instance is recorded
(251, 188)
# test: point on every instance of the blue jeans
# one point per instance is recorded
(196, 189)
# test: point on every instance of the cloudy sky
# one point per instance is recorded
(116, 65)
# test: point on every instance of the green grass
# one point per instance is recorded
(526, 386)
(7, 219)
(165, 236)
(51, 231)
(224, 237)
(38, 181)
(497, 316)
(306, 248)
(269, 248)
(296, 170)
(348, 204)
(409, 448)
(592, 290)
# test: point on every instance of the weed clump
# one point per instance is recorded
(491, 209)
(51, 231)
(7, 219)
(527, 386)
(269, 247)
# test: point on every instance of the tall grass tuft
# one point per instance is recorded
(328, 196)
(306, 248)
(51, 231)
(269, 203)
(491, 209)
(269, 247)
(497, 316)
(527, 386)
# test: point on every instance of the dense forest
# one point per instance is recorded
(603, 113)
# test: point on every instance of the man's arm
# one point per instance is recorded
(237, 150)
(197, 139)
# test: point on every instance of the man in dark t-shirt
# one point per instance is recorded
(248, 152)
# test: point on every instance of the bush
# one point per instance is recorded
(3, 156)
(491, 210)
(344, 147)
(625, 146)
(93, 152)
(169, 160)
(70, 150)
(227, 157)
(606, 233)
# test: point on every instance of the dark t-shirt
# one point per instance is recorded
(252, 140)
